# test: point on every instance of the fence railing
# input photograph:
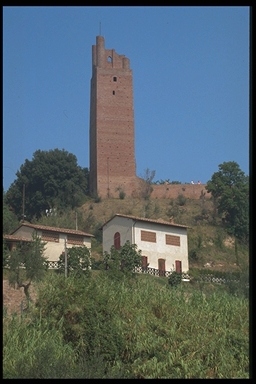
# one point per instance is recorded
(210, 278)
(53, 264)
(157, 272)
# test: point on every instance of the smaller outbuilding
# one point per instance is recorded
(56, 239)
(164, 245)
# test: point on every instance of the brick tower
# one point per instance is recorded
(112, 155)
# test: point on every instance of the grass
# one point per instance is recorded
(144, 328)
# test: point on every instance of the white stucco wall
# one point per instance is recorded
(161, 250)
(118, 224)
(53, 250)
(130, 229)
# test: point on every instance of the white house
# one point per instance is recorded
(56, 239)
(163, 244)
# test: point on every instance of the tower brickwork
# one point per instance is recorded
(112, 147)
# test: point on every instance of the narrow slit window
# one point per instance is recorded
(114, 78)
(114, 92)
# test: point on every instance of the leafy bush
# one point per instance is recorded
(123, 260)
(193, 255)
(121, 195)
(97, 198)
(78, 261)
(174, 279)
(181, 200)
(132, 328)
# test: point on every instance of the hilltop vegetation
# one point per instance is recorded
(54, 190)
(208, 240)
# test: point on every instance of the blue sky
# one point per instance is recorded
(190, 78)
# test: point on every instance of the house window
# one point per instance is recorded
(178, 266)
(114, 78)
(161, 267)
(144, 263)
(117, 240)
(172, 240)
(148, 236)
(75, 239)
(50, 236)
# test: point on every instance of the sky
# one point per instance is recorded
(190, 68)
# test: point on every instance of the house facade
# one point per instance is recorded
(163, 244)
(56, 239)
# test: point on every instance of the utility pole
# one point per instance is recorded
(66, 259)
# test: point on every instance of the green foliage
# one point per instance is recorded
(174, 279)
(147, 208)
(87, 316)
(129, 328)
(124, 259)
(121, 193)
(157, 209)
(52, 179)
(78, 261)
(97, 199)
(193, 255)
(5, 254)
(97, 232)
(27, 263)
(10, 221)
(230, 190)
(146, 186)
(32, 350)
(181, 200)
(219, 239)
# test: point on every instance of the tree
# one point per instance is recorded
(230, 190)
(10, 221)
(124, 259)
(78, 261)
(52, 179)
(27, 263)
(146, 184)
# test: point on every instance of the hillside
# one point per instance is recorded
(208, 241)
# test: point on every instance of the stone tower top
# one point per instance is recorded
(107, 58)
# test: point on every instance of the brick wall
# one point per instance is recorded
(191, 191)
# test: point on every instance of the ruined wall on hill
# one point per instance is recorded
(191, 191)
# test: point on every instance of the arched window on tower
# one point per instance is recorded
(109, 59)
(117, 239)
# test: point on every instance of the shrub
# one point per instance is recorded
(121, 195)
(174, 279)
(181, 200)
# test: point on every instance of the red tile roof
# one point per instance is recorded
(144, 219)
(15, 238)
(53, 229)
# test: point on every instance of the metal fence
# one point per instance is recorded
(157, 272)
